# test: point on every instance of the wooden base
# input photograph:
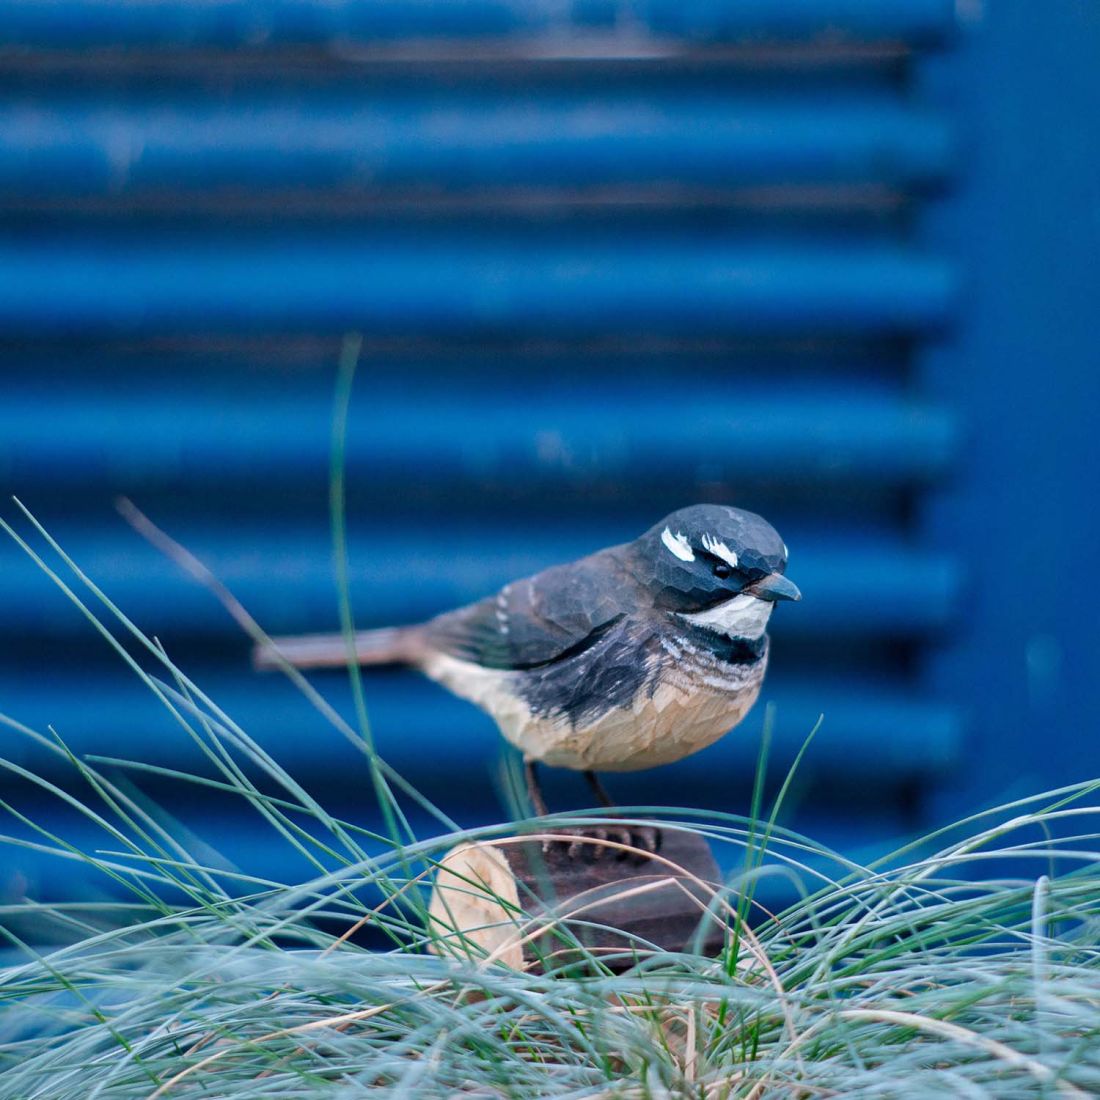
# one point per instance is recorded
(552, 900)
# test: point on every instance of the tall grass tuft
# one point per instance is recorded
(963, 965)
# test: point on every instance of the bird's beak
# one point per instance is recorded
(774, 587)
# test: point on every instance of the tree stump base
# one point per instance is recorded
(555, 899)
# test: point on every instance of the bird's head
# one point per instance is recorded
(716, 567)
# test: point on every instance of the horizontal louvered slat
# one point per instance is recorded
(423, 732)
(259, 22)
(248, 853)
(455, 140)
(456, 282)
(531, 432)
(853, 585)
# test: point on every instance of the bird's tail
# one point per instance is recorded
(388, 646)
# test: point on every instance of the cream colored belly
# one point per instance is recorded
(676, 721)
(657, 730)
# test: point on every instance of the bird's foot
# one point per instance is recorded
(611, 842)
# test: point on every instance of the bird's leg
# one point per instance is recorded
(645, 838)
(538, 804)
(534, 791)
(599, 790)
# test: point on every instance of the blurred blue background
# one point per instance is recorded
(835, 262)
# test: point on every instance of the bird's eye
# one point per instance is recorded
(722, 570)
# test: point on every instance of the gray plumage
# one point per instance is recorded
(635, 655)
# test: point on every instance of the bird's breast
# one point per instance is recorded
(657, 729)
(687, 701)
(624, 708)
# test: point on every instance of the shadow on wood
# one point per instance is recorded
(556, 899)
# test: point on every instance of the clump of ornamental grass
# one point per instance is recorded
(963, 965)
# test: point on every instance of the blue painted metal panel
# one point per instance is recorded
(251, 22)
(452, 140)
(424, 281)
(935, 572)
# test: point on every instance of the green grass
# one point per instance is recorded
(931, 973)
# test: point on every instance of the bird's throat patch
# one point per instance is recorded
(742, 616)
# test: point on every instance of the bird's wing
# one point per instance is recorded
(529, 623)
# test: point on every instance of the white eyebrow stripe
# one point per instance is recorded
(677, 544)
(720, 550)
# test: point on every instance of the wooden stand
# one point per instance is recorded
(552, 900)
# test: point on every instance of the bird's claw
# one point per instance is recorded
(646, 837)
(618, 842)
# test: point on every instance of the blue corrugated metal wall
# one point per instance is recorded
(606, 260)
